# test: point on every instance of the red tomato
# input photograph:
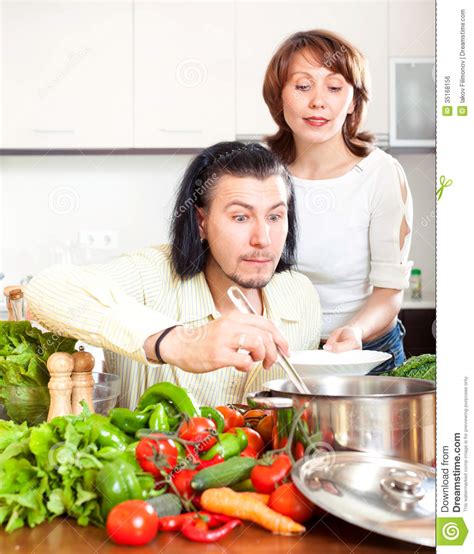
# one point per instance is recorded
(254, 438)
(132, 523)
(156, 453)
(299, 450)
(249, 452)
(233, 418)
(201, 430)
(182, 481)
(266, 479)
(289, 501)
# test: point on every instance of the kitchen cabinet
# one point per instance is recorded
(262, 26)
(184, 74)
(420, 326)
(67, 74)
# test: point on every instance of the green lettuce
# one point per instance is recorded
(24, 376)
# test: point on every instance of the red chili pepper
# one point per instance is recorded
(207, 463)
(176, 523)
(209, 528)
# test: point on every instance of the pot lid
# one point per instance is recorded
(381, 494)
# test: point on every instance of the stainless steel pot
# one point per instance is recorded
(391, 416)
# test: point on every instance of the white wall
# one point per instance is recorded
(47, 200)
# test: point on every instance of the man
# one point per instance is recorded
(162, 313)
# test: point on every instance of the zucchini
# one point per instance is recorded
(224, 474)
(165, 505)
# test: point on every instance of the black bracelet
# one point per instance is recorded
(158, 342)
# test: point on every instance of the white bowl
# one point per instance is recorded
(320, 362)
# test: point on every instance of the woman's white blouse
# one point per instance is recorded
(349, 237)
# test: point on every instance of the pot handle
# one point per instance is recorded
(265, 401)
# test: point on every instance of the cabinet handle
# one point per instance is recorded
(59, 131)
(180, 130)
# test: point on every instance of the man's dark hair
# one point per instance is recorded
(189, 255)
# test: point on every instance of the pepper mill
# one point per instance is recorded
(60, 366)
(82, 380)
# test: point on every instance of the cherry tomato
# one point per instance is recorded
(156, 453)
(249, 452)
(132, 523)
(289, 501)
(201, 430)
(299, 450)
(328, 437)
(266, 478)
(255, 441)
(182, 481)
(233, 418)
(265, 428)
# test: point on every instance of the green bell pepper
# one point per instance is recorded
(117, 482)
(228, 445)
(106, 434)
(168, 391)
(243, 439)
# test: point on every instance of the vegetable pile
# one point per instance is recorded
(61, 468)
(168, 465)
(24, 351)
(417, 367)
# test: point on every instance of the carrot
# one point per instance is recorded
(263, 498)
(241, 505)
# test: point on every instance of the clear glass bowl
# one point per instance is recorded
(31, 404)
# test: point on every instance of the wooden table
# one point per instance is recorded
(326, 535)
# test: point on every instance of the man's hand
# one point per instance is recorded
(343, 339)
(216, 344)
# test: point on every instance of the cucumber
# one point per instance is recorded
(165, 505)
(224, 474)
(243, 486)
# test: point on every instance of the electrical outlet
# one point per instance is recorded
(98, 239)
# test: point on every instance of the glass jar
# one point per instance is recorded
(415, 284)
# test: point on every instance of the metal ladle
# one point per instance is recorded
(243, 305)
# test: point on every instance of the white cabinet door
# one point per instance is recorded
(67, 74)
(262, 26)
(184, 74)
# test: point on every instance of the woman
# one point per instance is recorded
(353, 201)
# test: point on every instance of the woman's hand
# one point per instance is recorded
(345, 338)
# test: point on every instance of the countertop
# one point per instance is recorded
(325, 535)
(427, 302)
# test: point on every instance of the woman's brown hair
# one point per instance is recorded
(333, 52)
